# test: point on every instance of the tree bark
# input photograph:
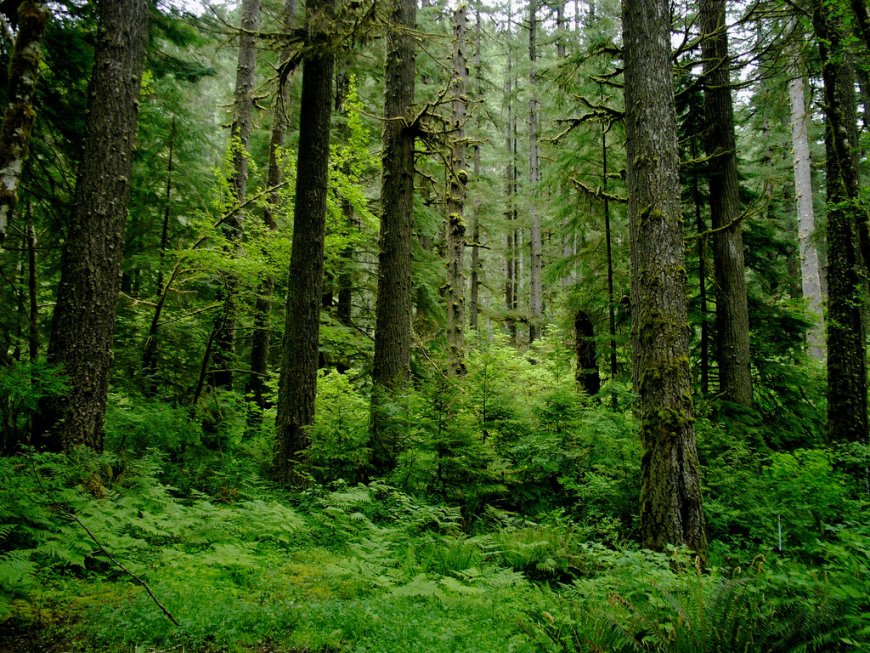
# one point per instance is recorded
(510, 196)
(20, 115)
(298, 381)
(803, 187)
(458, 177)
(261, 338)
(847, 362)
(224, 351)
(393, 312)
(536, 299)
(474, 299)
(608, 241)
(84, 316)
(670, 492)
(732, 312)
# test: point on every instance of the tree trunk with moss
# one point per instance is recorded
(393, 312)
(458, 177)
(732, 311)
(84, 316)
(20, 114)
(670, 492)
(847, 362)
(298, 382)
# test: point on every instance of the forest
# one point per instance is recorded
(444, 326)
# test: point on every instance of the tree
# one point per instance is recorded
(458, 178)
(671, 494)
(83, 321)
(20, 115)
(847, 355)
(732, 312)
(392, 359)
(536, 304)
(261, 339)
(221, 374)
(298, 381)
(803, 186)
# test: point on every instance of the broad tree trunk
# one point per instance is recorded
(224, 350)
(458, 177)
(20, 115)
(803, 187)
(298, 382)
(261, 338)
(84, 316)
(393, 311)
(847, 362)
(670, 492)
(732, 312)
(536, 299)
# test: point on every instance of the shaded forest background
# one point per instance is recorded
(484, 408)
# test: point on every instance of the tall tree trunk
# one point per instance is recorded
(149, 356)
(670, 491)
(224, 349)
(510, 194)
(20, 115)
(32, 289)
(803, 188)
(732, 312)
(611, 303)
(474, 303)
(393, 311)
(261, 338)
(84, 316)
(456, 198)
(536, 303)
(701, 228)
(847, 362)
(298, 381)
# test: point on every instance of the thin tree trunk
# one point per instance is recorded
(298, 382)
(261, 338)
(224, 350)
(536, 303)
(32, 289)
(611, 302)
(670, 491)
(20, 115)
(732, 311)
(847, 362)
(510, 193)
(701, 228)
(393, 312)
(803, 188)
(149, 356)
(84, 316)
(458, 177)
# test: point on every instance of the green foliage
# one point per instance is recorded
(22, 387)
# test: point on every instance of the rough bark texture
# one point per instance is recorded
(393, 312)
(587, 361)
(670, 491)
(20, 115)
(298, 381)
(536, 298)
(81, 333)
(732, 312)
(456, 198)
(224, 352)
(261, 338)
(847, 363)
(474, 299)
(803, 187)
(392, 361)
